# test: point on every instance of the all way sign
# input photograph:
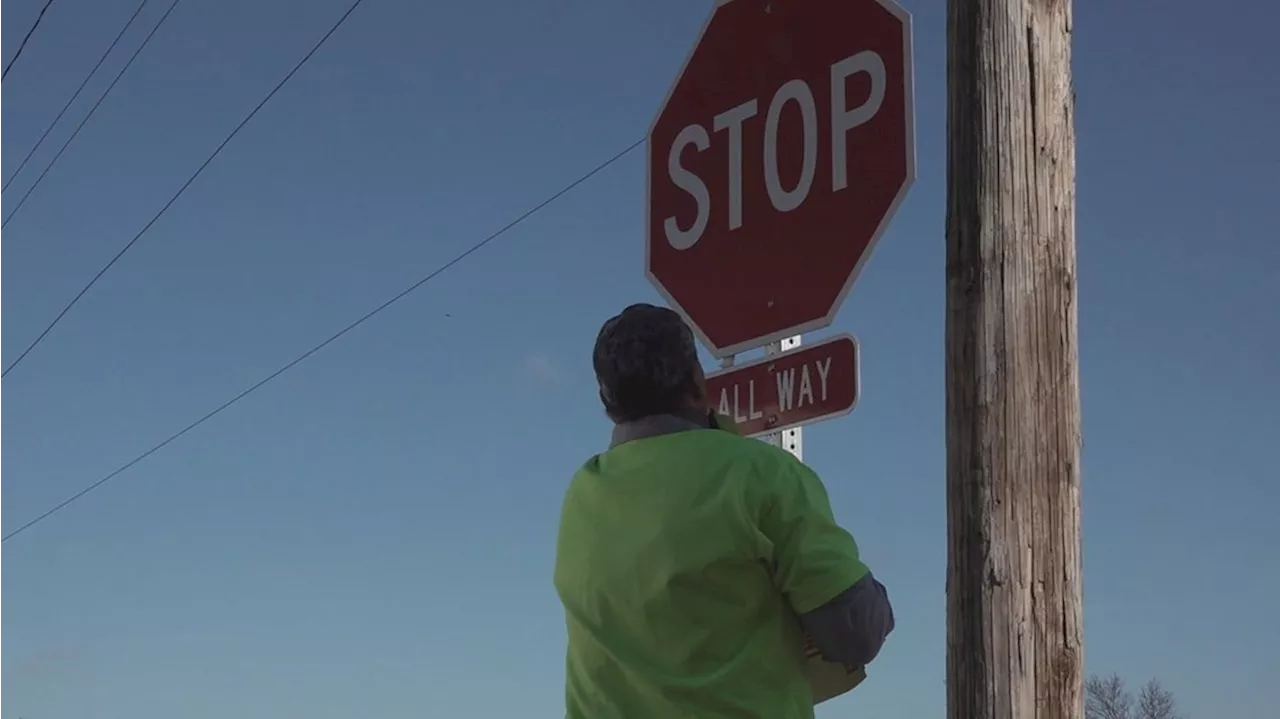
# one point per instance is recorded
(790, 389)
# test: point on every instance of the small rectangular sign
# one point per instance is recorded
(789, 389)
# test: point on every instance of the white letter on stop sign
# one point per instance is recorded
(788, 200)
(694, 135)
(732, 121)
(842, 120)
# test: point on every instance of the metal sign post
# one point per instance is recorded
(788, 439)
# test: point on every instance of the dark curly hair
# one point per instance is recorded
(646, 363)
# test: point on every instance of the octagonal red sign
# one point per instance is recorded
(776, 162)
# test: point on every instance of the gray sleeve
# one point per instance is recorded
(851, 628)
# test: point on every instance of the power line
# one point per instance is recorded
(25, 38)
(332, 338)
(92, 110)
(75, 95)
(183, 188)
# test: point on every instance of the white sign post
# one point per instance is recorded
(789, 439)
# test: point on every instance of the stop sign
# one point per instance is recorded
(776, 162)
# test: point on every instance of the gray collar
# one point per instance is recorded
(655, 426)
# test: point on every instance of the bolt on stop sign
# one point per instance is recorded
(776, 162)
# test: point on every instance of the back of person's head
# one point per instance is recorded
(646, 364)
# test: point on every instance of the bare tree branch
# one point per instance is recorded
(1107, 698)
(1156, 702)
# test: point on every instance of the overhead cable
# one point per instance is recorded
(183, 188)
(75, 94)
(331, 339)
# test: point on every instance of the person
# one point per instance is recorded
(691, 561)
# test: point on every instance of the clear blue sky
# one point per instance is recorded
(372, 534)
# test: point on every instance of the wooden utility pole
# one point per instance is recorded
(1014, 638)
